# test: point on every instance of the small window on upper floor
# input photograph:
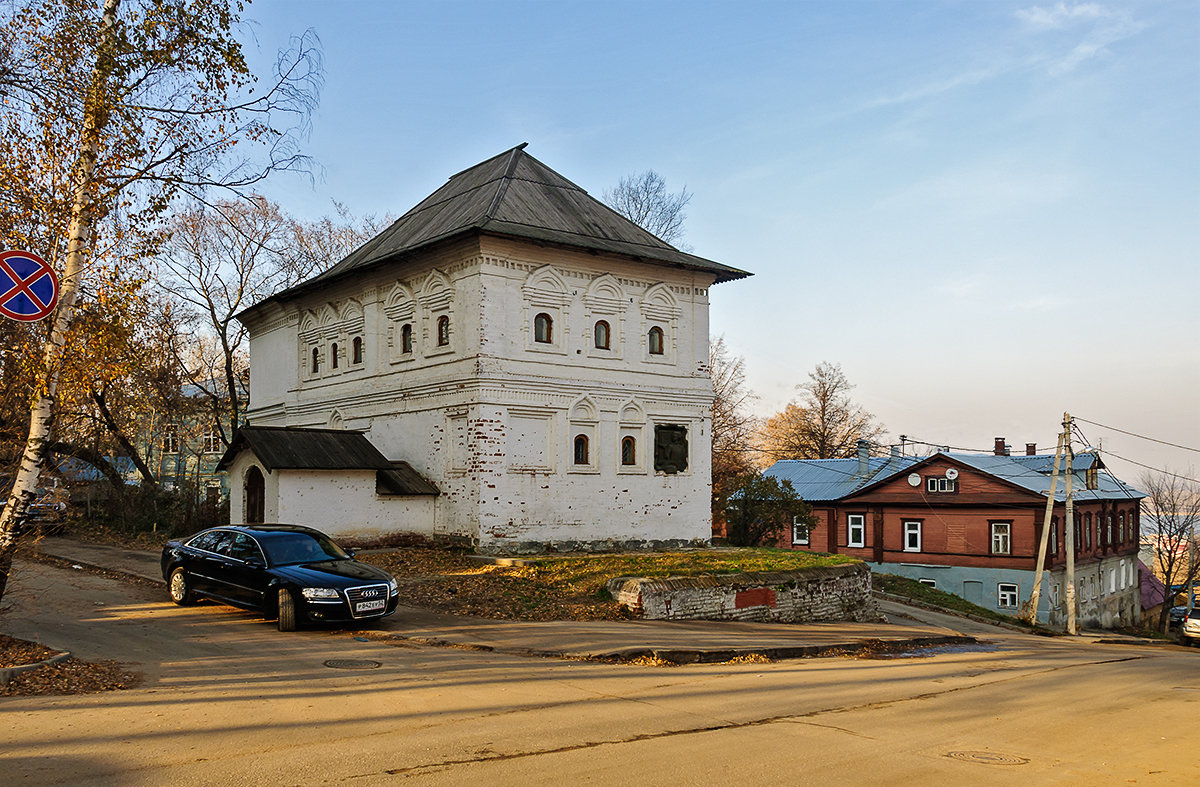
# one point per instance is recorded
(581, 450)
(655, 339)
(939, 483)
(170, 442)
(628, 451)
(356, 354)
(1001, 538)
(602, 335)
(406, 338)
(211, 442)
(316, 360)
(543, 328)
(333, 356)
(443, 331)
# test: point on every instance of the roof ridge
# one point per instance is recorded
(514, 157)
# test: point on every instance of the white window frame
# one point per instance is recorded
(1003, 536)
(1011, 589)
(937, 484)
(211, 442)
(860, 525)
(912, 528)
(798, 523)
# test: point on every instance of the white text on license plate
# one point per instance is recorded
(368, 606)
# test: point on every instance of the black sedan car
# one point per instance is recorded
(288, 572)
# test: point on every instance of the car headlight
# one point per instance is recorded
(393, 587)
(320, 594)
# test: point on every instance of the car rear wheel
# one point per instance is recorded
(180, 588)
(287, 610)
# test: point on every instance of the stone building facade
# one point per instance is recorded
(537, 357)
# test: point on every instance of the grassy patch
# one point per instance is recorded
(911, 588)
(561, 588)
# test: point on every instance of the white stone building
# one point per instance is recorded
(538, 359)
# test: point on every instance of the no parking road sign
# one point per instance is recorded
(28, 286)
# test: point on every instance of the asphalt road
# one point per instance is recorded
(228, 700)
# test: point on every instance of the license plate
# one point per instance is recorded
(369, 606)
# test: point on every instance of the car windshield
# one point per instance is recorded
(301, 548)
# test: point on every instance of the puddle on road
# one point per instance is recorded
(935, 650)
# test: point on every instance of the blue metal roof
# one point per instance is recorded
(832, 479)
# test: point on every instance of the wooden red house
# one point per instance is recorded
(970, 524)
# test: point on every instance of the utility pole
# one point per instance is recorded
(1039, 568)
(1070, 528)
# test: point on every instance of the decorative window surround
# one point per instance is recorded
(545, 293)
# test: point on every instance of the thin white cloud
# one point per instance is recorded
(1061, 15)
(1101, 27)
(968, 79)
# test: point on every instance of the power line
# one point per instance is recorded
(1155, 469)
(1135, 434)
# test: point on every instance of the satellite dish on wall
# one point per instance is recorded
(914, 479)
(951, 473)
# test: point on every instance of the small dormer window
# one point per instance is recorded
(940, 484)
(543, 329)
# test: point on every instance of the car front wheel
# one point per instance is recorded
(180, 588)
(287, 610)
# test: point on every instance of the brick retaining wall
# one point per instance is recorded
(827, 593)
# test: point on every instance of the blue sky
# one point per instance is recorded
(986, 212)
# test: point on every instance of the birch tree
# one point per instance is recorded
(110, 112)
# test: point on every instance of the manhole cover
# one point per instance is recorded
(353, 664)
(987, 757)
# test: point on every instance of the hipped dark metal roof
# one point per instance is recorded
(514, 194)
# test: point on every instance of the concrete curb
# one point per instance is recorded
(908, 602)
(7, 673)
(105, 569)
(709, 656)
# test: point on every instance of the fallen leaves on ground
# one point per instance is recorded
(71, 676)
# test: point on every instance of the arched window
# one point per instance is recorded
(254, 497)
(543, 328)
(357, 355)
(333, 356)
(406, 338)
(316, 360)
(656, 341)
(602, 335)
(581, 449)
(443, 331)
(628, 451)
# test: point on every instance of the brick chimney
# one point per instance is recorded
(1000, 449)
(1031, 449)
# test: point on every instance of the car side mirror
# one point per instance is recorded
(255, 563)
